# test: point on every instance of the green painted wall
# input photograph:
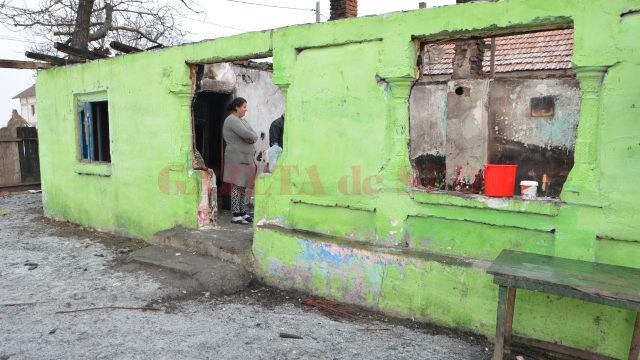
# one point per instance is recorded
(148, 186)
(346, 225)
(347, 89)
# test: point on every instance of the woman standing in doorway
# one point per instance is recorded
(239, 166)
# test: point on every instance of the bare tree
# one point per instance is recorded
(92, 24)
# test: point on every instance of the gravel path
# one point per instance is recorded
(47, 267)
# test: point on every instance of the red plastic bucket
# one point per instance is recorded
(499, 180)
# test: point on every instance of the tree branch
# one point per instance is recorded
(139, 23)
(188, 7)
(102, 32)
(124, 28)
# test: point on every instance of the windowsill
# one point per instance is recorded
(97, 169)
(332, 202)
(542, 206)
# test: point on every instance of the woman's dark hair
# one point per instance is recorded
(236, 103)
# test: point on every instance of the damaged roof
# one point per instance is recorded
(545, 50)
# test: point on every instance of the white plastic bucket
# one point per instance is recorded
(529, 189)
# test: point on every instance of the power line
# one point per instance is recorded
(192, 19)
(21, 40)
(12, 39)
(210, 23)
(272, 6)
(202, 21)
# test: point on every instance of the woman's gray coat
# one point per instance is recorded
(239, 166)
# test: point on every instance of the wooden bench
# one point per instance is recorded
(594, 282)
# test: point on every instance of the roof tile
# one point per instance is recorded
(545, 50)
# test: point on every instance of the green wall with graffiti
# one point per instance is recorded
(338, 218)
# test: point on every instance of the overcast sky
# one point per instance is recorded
(218, 18)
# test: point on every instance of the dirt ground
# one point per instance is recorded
(49, 270)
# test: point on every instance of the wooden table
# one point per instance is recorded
(594, 282)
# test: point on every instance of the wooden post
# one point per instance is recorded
(498, 350)
(634, 351)
(508, 321)
(493, 57)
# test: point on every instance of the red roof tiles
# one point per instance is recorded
(545, 50)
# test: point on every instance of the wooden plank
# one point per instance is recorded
(498, 350)
(98, 123)
(127, 49)
(493, 57)
(89, 126)
(21, 64)
(560, 349)
(50, 59)
(565, 291)
(634, 351)
(73, 51)
(8, 133)
(9, 164)
(30, 162)
(592, 280)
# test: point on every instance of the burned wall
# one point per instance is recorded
(540, 140)
(467, 123)
(459, 126)
(448, 123)
(428, 124)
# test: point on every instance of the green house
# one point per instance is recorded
(346, 214)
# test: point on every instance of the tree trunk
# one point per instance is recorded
(81, 31)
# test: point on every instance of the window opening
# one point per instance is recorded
(543, 106)
(94, 131)
(509, 99)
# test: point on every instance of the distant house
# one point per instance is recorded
(28, 105)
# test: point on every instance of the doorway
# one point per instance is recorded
(209, 112)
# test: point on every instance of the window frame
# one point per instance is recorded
(81, 103)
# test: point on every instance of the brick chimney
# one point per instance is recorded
(342, 9)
